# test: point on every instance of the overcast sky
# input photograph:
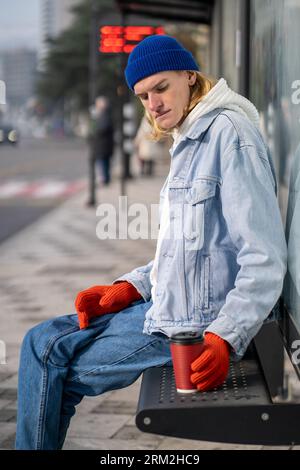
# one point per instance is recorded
(19, 23)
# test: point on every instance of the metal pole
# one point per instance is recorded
(122, 102)
(92, 96)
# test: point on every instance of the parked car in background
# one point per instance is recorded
(8, 134)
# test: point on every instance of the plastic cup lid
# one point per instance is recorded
(187, 337)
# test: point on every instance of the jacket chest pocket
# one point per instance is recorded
(195, 211)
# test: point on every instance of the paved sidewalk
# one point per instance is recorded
(42, 269)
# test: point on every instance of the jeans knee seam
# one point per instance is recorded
(52, 341)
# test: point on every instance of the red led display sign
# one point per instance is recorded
(115, 39)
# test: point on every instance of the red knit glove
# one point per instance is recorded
(98, 300)
(211, 367)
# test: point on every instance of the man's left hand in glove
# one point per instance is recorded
(210, 369)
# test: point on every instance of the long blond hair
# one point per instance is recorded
(201, 87)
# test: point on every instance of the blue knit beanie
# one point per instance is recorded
(155, 54)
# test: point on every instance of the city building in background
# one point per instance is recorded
(18, 70)
(56, 16)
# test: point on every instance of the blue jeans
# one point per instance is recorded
(104, 165)
(59, 364)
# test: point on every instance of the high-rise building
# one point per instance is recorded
(56, 15)
(18, 68)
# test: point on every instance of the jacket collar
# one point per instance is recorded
(197, 128)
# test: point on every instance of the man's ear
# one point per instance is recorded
(192, 78)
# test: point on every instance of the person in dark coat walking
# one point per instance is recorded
(102, 136)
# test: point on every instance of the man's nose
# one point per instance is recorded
(155, 102)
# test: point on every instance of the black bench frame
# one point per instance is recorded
(253, 406)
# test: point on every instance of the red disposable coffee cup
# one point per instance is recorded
(185, 348)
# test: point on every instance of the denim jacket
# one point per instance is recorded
(222, 270)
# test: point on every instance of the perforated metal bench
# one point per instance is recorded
(252, 407)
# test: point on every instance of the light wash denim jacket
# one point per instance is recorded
(225, 271)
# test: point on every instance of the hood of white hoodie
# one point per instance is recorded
(220, 96)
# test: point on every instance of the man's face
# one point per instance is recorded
(165, 96)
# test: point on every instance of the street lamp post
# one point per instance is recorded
(92, 95)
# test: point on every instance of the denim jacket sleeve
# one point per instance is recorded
(253, 219)
(140, 278)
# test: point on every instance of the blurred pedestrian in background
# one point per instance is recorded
(102, 137)
(147, 150)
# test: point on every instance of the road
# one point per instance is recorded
(36, 176)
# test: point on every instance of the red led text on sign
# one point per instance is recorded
(115, 39)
